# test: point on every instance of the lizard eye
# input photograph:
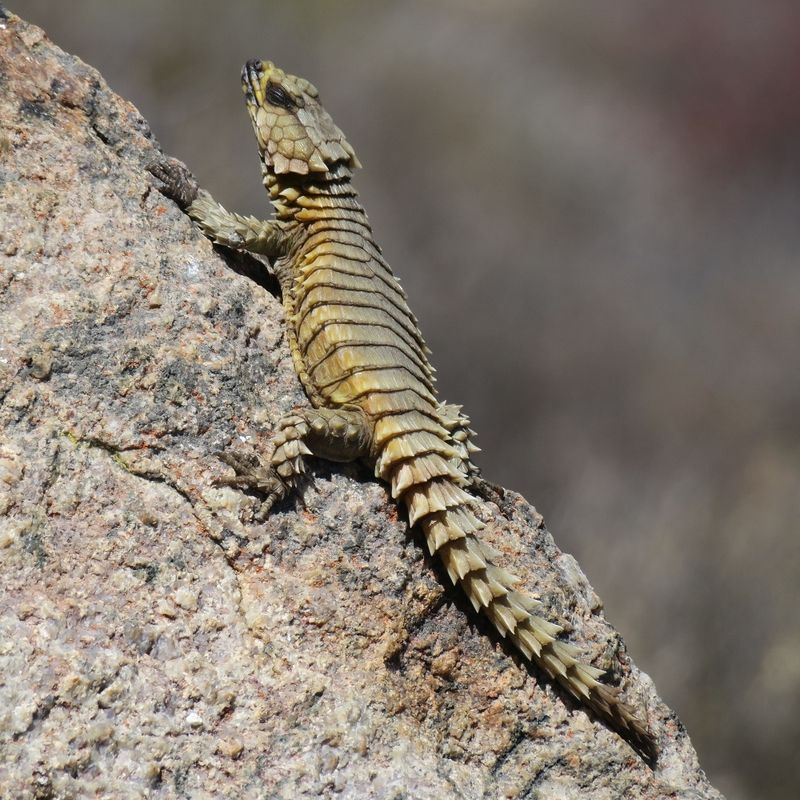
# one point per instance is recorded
(278, 96)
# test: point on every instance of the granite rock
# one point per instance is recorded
(156, 642)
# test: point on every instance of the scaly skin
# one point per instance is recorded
(364, 365)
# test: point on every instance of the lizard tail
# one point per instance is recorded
(431, 487)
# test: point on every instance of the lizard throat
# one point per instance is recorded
(310, 198)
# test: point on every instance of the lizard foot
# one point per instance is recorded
(176, 181)
(339, 434)
(492, 493)
(252, 473)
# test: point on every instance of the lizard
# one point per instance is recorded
(361, 358)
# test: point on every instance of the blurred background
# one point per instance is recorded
(596, 215)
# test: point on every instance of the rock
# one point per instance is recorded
(153, 644)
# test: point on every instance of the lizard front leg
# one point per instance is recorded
(334, 434)
(266, 238)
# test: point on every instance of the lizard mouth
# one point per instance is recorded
(252, 80)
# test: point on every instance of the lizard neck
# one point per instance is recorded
(306, 199)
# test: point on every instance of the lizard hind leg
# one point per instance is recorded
(334, 434)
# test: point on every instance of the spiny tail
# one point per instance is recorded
(431, 487)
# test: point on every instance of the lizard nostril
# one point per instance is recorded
(251, 72)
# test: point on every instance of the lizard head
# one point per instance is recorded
(296, 135)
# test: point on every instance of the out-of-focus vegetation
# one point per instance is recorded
(596, 214)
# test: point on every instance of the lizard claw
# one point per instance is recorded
(252, 473)
(177, 183)
(242, 462)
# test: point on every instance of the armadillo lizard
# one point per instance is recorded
(364, 365)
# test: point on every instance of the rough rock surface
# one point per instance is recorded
(153, 644)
